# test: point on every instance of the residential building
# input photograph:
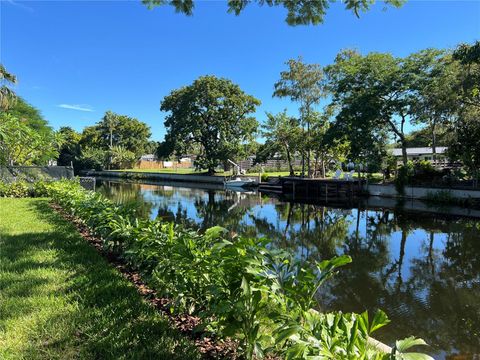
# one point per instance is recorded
(423, 154)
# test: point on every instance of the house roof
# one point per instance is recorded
(419, 151)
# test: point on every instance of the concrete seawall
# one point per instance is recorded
(378, 195)
(418, 192)
(191, 178)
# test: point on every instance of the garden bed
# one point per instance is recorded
(60, 300)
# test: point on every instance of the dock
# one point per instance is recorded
(298, 188)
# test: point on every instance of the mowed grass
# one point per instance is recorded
(166, 171)
(59, 299)
(374, 177)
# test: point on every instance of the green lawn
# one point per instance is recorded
(59, 299)
(375, 177)
(167, 171)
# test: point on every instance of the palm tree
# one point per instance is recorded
(7, 96)
(110, 121)
(121, 157)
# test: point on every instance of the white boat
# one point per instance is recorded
(241, 182)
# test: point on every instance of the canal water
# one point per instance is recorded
(423, 270)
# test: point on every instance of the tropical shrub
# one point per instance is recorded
(240, 287)
(404, 177)
(15, 189)
(22, 188)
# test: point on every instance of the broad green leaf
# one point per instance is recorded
(353, 336)
(296, 351)
(246, 288)
(407, 343)
(287, 333)
(215, 232)
(363, 322)
(379, 320)
(413, 356)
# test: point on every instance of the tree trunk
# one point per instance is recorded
(403, 242)
(434, 143)
(324, 172)
(289, 160)
(309, 173)
(430, 252)
(303, 163)
(404, 151)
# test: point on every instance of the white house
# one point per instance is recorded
(148, 157)
(423, 153)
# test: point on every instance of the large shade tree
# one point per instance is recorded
(299, 12)
(464, 143)
(432, 105)
(468, 85)
(213, 115)
(379, 91)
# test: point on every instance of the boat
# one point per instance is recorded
(239, 182)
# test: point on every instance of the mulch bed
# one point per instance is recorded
(211, 348)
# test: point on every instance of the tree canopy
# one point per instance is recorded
(7, 96)
(25, 136)
(469, 79)
(298, 12)
(213, 114)
(22, 145)
(30, 116)
(69, 152)
(283, 137)
(379, 91)
(305, 84)
(118, 130)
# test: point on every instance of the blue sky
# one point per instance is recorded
(77, 59)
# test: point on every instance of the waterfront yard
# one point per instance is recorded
(374, 177)
(59, 299)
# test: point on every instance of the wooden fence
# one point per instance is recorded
(143, 164)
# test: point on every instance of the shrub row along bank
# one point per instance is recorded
(60, 300)
(240, 287)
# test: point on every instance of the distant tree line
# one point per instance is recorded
(350, 110)
(372, 100)
(116, 141)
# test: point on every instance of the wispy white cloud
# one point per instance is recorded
(76, 107)
(20, 5)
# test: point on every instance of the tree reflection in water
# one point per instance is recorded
(423, 271)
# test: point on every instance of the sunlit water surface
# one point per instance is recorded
(422, 270)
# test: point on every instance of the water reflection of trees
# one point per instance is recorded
(312, 232)
(129, 194)
(436, 295)
(423, 271)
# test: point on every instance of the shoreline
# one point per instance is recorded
(379, 196)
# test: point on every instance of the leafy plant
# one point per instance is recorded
(15, 189)
(404, 177)
(401, 346)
